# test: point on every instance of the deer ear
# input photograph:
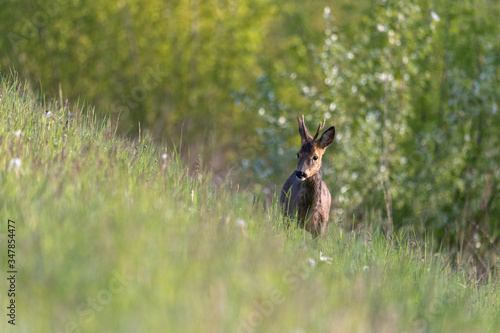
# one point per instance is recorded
(327, 138)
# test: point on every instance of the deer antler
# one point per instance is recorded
(320, 127)
(304, 134)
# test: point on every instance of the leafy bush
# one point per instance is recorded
(412, 92)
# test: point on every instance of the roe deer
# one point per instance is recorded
(305, 193)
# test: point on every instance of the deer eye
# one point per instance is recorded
(315, 158)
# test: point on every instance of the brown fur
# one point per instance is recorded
(309, 198)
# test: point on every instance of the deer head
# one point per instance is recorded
(312, 150)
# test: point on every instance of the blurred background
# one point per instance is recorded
(411, 87)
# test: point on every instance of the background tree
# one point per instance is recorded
(169, 65)
(412, 92)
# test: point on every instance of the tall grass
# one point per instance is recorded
(117, 235)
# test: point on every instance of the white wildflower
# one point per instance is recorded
(311, 262)
(324, 258)
(240, 223)
(15, 163)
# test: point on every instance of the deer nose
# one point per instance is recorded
(300, 175)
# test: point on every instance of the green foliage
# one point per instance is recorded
(412, 92)
(170, 65)
(113, 235)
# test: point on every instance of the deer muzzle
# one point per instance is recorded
(300, 175)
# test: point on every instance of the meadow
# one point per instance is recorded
(119, 235)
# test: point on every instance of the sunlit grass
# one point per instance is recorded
(113, 236)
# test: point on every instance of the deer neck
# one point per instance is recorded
(312, 188)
